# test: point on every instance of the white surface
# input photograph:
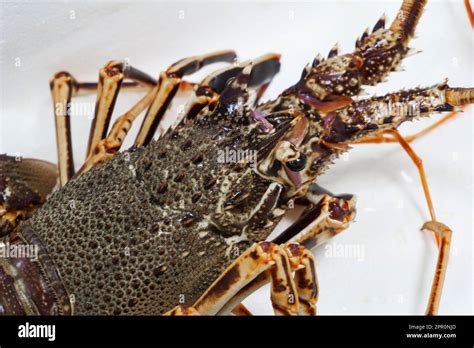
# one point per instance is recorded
(394, 275)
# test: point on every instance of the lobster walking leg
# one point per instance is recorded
(265, 68)
(64, 87)
(419, 165)
(207, 92)
(328, 216)
(396, 137)
(110, 145)
(168, 85)
(441, 231)
(443, 234)
(381, 138)
(110, 81)
(263, 257)
(469, 11)
(306, 282)
(241, 310)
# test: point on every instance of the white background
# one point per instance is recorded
(395, 273)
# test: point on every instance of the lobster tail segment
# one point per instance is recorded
(407, 19)
(30, 283)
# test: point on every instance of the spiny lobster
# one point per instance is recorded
(168, 226)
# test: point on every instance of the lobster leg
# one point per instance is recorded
(404, 142)
(326, 216)
(261, 258)
(63, 87)
(207, 92)
(241, 310)
(108, 146)
(381, 138)
(469, 11)
(111, 144)
(29, 181)
(445, 99)
(111, 77)
(168, 85)
(306, 282)
(441, 231)
(419, 165)
(411, 104)
(396, 137)
(264, 70)
(443, 234)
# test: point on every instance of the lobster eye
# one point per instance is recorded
(297, 164)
